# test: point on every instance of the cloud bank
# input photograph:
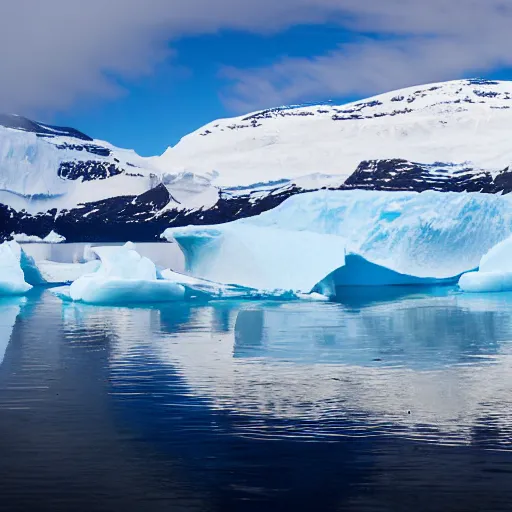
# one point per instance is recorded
(56, 52)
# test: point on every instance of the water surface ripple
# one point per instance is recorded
(393, 399)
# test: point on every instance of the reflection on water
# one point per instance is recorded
(388, 400)
(9, 310)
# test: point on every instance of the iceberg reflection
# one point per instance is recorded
(10, 308)
(431, 367)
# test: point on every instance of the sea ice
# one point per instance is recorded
(12, 278)
(203, 288)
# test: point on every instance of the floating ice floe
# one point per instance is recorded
(122, 277)
(205, 289)
(50, 238)
(12, 278)
(494, 273)
(52, 273)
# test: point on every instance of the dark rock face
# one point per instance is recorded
(43, 130)
(403, 175)
(88, 170)
(143, 218)
(138, 218)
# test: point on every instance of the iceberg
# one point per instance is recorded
(326, 239)
(122, 277)
(261, 258)
(54, 238)
(494, 273)
(12, 278)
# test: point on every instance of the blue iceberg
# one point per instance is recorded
(12, 277)
(323, 240)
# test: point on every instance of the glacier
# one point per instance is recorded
(325, 239)
(494, 272)
(32, 160)
(12, 278)
(123, 277)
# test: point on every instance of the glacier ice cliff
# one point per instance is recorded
(379, 237)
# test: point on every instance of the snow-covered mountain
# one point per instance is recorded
(451, 136)
(464, 121)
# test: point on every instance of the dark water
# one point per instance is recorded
(392, 402)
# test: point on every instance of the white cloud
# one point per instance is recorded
(427, 42)
(56, 52)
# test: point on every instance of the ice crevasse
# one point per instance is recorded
(325, 239)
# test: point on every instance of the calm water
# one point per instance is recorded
(391, 400)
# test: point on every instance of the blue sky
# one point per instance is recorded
(185, 92)
(141, 74)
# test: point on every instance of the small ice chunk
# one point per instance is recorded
(54, 238)
(494, 273)
(24, 238)
(486, 282)
(51, 238)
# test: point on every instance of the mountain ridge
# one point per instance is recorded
(448, 137)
